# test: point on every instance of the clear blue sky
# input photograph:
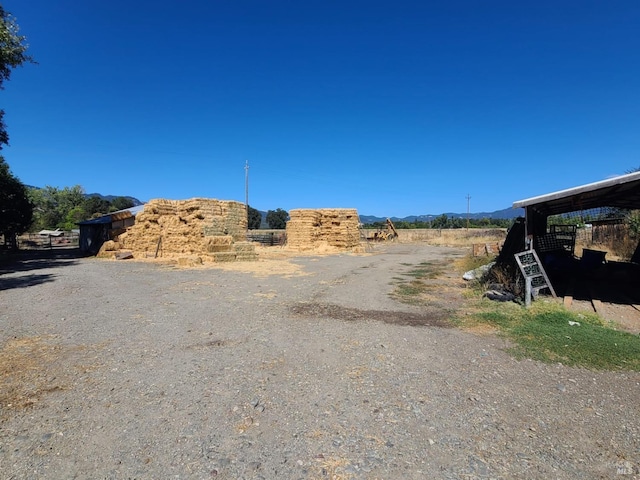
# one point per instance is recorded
(394, 108)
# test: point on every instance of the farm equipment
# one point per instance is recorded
(389, 234)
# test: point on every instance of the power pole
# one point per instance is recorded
(468, 201)
(246, 184)
(246, 189)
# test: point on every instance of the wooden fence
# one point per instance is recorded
(34, 241)
(267, 237)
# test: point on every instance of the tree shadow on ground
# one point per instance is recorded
(29, 260)
(25, 281)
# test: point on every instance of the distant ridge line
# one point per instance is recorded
(507, 213)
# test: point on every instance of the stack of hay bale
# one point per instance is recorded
(222, 248)
(199, 226)
(326, 227)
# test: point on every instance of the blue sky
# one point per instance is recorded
(394, 108)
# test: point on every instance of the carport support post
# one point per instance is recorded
(527, 292)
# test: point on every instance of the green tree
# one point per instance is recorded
(440, 222)
(254, 218)
(45, 213)
(64, 208)
(69, 199)
(55, 208)
(121, 203)
(73, 216)
(277, 219)
(95, 206)
(16, 211)
(457, 223)
(13, 47)
(15, 207)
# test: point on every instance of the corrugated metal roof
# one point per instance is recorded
(118, 215)
(618, 192)
(134, 210)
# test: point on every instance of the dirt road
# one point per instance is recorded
(306, 368)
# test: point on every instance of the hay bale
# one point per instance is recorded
(245, 247)
(246, 257)
(224, 256)
(220, 243)
(313, 229)
(219, 248)
(219, 240)
(108, 249)
(195, 227)
(245, 251)
(190, 261)
(109, 246)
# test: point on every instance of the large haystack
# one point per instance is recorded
(199, 226)
(338, 228)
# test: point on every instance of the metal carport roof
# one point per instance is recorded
(619, 192)
(108, 218)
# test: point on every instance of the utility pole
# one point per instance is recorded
(246, 189)
(246, 184)
(468, 201)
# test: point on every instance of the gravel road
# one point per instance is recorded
(128, 369)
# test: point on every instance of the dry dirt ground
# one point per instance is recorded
(293, 367)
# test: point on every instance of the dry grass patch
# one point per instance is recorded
(263, 267)
(26, 371)
(32, 367)
(331, 467)
(430, 284)
(455, 237)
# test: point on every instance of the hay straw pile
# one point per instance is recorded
(326, 227)
(199, 226)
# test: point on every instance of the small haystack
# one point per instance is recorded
(199, 226)
(338, 228)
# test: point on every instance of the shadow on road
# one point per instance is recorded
(30, 260)
(25, 281)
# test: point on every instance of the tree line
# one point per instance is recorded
(443, 222)
(64, 208)
(276, 219)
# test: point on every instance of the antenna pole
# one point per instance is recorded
(468, 201)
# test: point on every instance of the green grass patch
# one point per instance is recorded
(550, 333)
(546, 332)
(496, 319)
(428, 270)
(419, 285)
(411, 289)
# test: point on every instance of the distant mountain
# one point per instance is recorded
(507, 213)
(111, 198)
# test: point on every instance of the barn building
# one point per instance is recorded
(94, 232)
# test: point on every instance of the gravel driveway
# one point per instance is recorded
(137, 370)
